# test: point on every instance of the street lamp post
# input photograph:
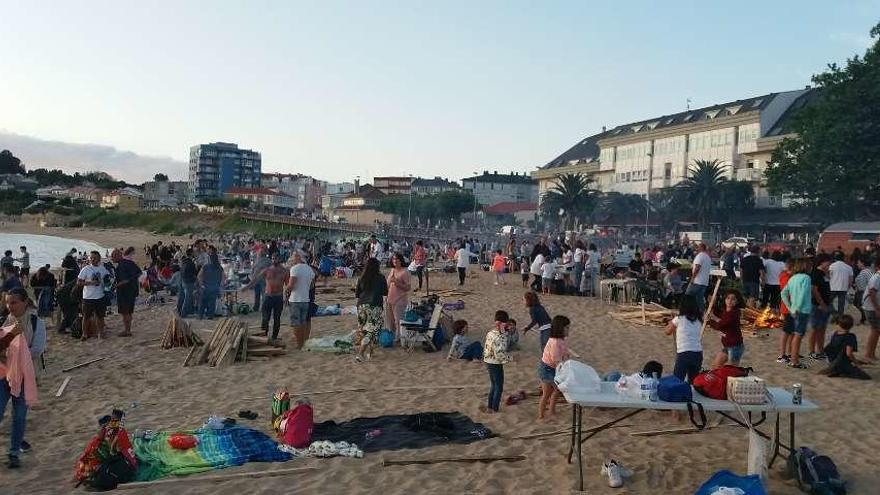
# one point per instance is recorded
(474, 192)
(409, 210)
(648, 195)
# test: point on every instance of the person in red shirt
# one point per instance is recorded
(499, 262)
(731, 333)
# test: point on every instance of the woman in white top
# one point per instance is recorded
(462, 260)
(567, 263)
(580, 255)
(591, 269)
(535, 270)
(687, 327)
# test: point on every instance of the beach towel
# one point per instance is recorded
(216, 449)
(19, 369)
(333, 310)
(338, 343)
(403, 431)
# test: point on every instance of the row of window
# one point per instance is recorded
(694, 142)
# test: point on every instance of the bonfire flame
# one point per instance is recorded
(768, 319)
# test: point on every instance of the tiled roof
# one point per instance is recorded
(495, 177)
(783, 124)
(854, 227)
(435, 182)
(509, 208)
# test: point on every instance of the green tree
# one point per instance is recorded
(701, 190)
(10, 164)
(572, 196)
(160, 177)
(833, 162)
(616, 208)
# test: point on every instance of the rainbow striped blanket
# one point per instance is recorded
(216, 449)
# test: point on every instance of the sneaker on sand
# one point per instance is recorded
(783, 359)
(799, 366)
(612, 470)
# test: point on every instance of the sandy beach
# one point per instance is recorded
(167, 396)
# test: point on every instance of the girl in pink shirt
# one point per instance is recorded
(555, 352)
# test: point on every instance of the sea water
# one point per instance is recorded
(44, 249)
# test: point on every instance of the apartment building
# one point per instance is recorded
(652, 154)
(165, 194)
(218, 167)
(306, 191)
(493, 188)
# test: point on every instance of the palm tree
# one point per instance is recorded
(702, 189)
(620, 208)
(572, 197)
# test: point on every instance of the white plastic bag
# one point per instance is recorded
(757, 454)
(577, 377)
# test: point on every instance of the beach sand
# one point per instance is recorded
(169, 396)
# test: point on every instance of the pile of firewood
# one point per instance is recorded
(179, 334)
(753, 319)
(646, 314)
(230, 342)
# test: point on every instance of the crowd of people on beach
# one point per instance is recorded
(808, 292)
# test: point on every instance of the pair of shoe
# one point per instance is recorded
(798, 366)
(13, 462)
(783, 359)
(818, 356)
(615, 473)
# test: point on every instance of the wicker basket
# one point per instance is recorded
(747, 390)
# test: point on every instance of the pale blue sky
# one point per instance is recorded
(339, 89)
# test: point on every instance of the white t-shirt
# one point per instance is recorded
(579, 255)
(566, 258)
(772, 270)
(705, 262)
(687, 334)
(548, 269)
(593, 259)
(463, 258)
(91, 273)
(304, 276)
(841, 275)
(874, 283)
(535, 269)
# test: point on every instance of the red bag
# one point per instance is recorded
(180, 441)
(296, 426)
(713, 383)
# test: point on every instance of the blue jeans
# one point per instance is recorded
(474, 350)
(185, 299)
(19, 416)
(578, 275)
(699, 293)
(208, 307)
(545, 337)
(496, 387)
(273, 305)
(259, 287)
(687, 365)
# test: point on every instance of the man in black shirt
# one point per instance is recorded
(752, 271)
(71, 267)
(821, 300)
(188, 275)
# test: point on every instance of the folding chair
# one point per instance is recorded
(418, 332)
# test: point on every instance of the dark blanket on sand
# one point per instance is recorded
(404, 431)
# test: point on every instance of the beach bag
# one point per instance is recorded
(413, 267)
(182, 442)
(297, 425)
(746, 390)
(439, 337)
(713, 383)
(386, 338)
(577, 377)
(280, 405)
(716, 485)
(815, 474)
(111, 473)
(673, 389)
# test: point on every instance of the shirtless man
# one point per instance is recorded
(275, 276)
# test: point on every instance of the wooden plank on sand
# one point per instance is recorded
(80, 365)
(62, 387)
(221, 477)
(406, 462)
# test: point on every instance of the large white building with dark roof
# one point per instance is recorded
(652, 154)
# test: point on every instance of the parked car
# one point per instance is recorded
(737, 242)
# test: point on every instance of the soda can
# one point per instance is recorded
(797, 393)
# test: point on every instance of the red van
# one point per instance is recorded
(848, 235)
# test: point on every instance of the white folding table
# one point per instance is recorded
(608, 397)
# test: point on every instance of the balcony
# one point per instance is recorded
(749, 174)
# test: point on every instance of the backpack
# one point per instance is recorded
(713, 383)
(815, 474)
(111, 473)
(297, 425)
(673, 389)
(386, 338)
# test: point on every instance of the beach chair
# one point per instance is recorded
(416, 333)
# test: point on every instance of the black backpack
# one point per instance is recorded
(816, 474)
(111, 473)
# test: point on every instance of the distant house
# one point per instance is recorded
(17, 182)
(264, 199)
(521, 212)
(49, 192)
(125, 199)
(493, 188)
(393, 185)
(360, 207)
(165, 194)
(437, 185)
(86, 194)
(306, 191)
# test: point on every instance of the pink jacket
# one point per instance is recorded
(19, 368)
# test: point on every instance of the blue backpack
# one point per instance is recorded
(386, 338)
(750, 485)
(673, 389)
(816, 474)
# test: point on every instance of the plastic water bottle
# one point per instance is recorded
(645, 388)
(622, 386)
(655, 382)
(373, 434)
